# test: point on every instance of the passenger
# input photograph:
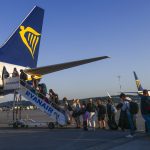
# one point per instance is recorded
(15, 73)
(134, 108)
(145, 109)
(91, 108)
(41, 93)
(126, 109)
(101, 110)
(65, 101)
(34, 82)
(73, 106)
(23, 77)
(76, 112)
(67, 109)
(85, 116)
(5, 73)
(111, 111)
(123, 121)
(53, 96)
(56, 99)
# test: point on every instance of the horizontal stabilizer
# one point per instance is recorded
(57, 67)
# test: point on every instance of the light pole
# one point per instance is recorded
(119, 80)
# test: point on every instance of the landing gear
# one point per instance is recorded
(18, 124)
(17, 111)
(15, 125)
(51, 125)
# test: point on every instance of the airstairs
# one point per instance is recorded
(55, 112)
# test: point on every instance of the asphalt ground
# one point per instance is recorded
(70, 139)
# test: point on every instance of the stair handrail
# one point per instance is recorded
(27, 86)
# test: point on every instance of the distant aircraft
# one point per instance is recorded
(138, 84)
(21, 51)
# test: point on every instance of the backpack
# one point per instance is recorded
(102, 109)
(44, 88)
(113, 109)
(112, 125)
(109, 111)
(91, 107)
(134, 107)
(69, 107)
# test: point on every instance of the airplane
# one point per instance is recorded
(21, 50)
(138, 84)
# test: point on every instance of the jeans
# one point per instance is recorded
(131, 122)
(91, 120)
(147, 120)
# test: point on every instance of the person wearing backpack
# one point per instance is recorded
(145, 109)
(134, 109)
(111, 111)
(126, 109)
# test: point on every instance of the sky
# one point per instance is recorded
(80, 29)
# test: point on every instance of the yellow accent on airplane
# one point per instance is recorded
(32, 38)
(29, 36)
(35, 77)
(137, 83)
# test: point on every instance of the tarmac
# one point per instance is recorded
(67, 138)
(70, 139)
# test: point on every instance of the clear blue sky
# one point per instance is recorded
(78, 29)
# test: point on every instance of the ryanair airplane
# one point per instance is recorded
(138, 84)
(21, 50)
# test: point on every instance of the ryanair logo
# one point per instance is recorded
(30, 38)
(138, 83)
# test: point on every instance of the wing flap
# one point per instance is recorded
(57, 67)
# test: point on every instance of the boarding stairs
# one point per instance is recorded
(8, 85)
(55, 112)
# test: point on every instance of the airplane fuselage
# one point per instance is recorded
(9, 68)
(8, 85)
(141, 93)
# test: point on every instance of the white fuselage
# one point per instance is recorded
(9, 68)
(141, 92)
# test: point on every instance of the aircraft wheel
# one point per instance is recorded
(22, 126)
(51, 125)
(15, 125)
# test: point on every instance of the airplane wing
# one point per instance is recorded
(57, 67)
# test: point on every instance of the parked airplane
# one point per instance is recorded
(21, 51)
(138, 84)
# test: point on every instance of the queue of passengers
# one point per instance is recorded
(91, 111)
(103, 113)
(88, 111)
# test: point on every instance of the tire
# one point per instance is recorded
(22, 126)
(51, 125)
(15, 125)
